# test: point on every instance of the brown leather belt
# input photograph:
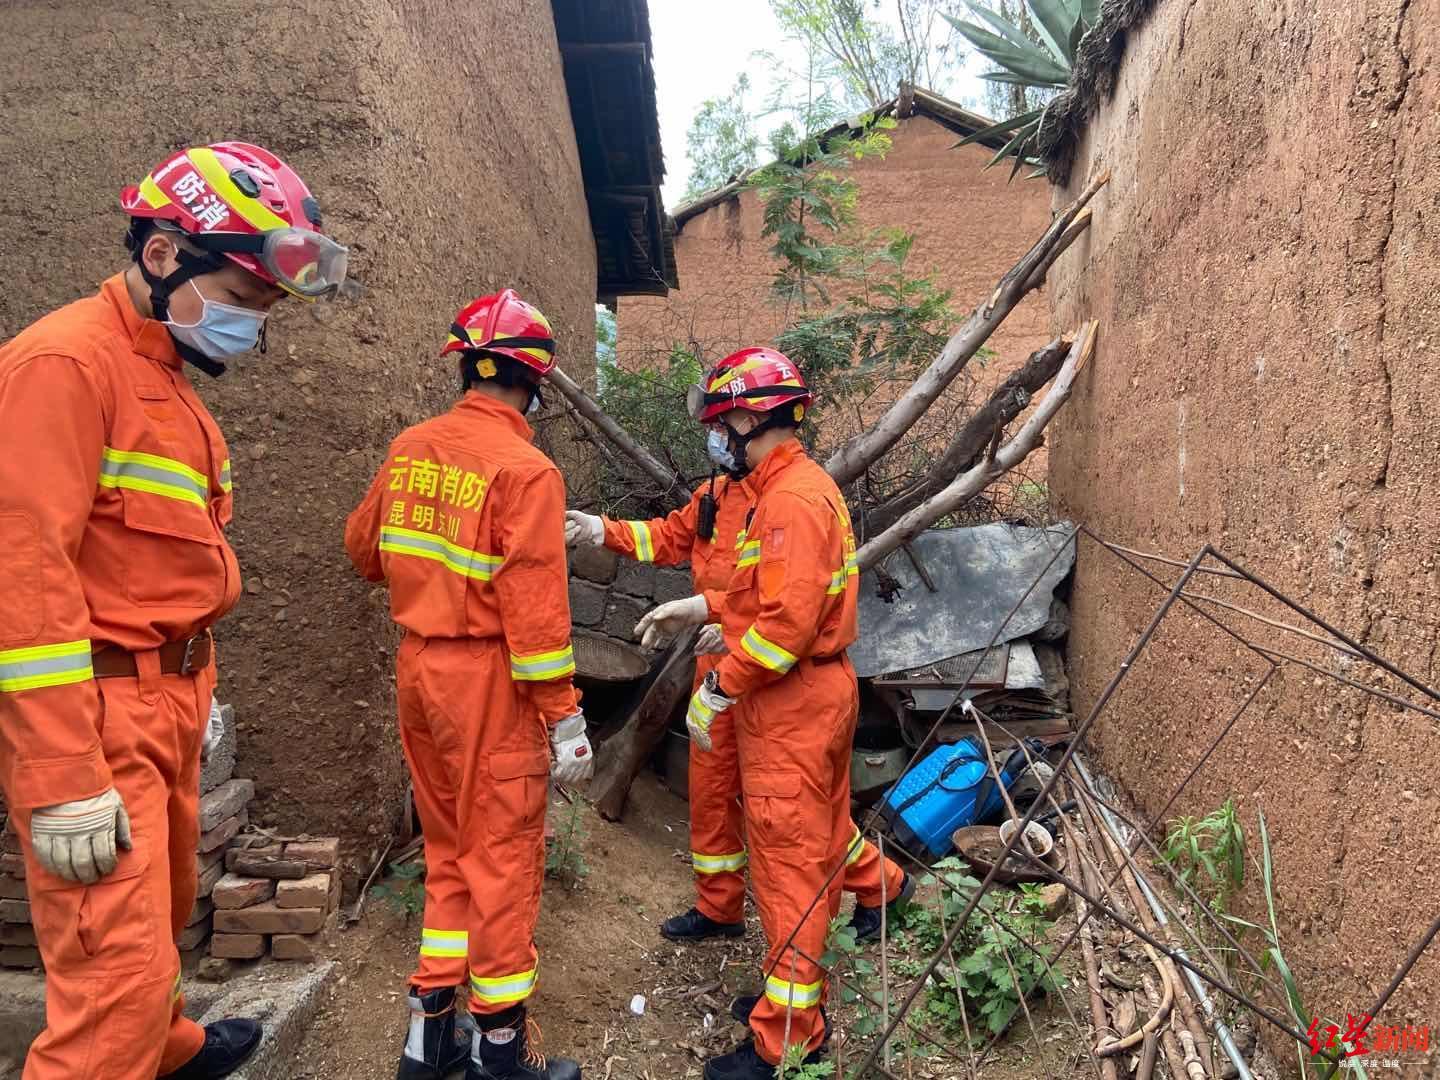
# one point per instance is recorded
(176, 658)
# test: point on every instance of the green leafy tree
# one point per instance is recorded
(722, 141)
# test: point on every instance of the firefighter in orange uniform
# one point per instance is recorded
(465, 520)
(114, 495)
(704, 533)
(788, 614)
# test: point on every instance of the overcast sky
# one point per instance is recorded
(700, 49)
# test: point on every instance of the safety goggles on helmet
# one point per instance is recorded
(303, 262)
(698, 400)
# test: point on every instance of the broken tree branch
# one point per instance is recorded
(670, 484)
(857, 455)
(976, 479)
(1006, 402)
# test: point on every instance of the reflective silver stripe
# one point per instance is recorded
(154, 474)
(45, 665)
(719, 864)
(444, 942)
(506, 988)
(857, 848)
(800, 995)
(644, 543)
(767, 652)
(226, 484)
(459, 560)
(749, 555)
(541, 667)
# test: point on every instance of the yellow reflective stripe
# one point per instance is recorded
(151, 193)
(740, 539)
(175, 989)
(799, 995)
(837, 583)
(424, 545)
(644, 544)
(767, 652)
(226, 483)
(857, 848)
(749, 555)
(154, 474)
(699, 713)
(540, 667)
(719, 864)
(259, 216)
(504, 989)
(444, 942)
(45, 665)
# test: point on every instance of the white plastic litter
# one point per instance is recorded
(637, 1004)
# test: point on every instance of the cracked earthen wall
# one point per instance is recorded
(449, 172)
(1263, 264)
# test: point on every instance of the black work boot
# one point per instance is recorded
(695, 925)
(502, 1049)
(745, 1063)
(436, 1046)
(228, 1045)
(866, 920)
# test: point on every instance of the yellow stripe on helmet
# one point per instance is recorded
(259, 216)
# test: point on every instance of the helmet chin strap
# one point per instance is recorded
(162, 288)
(741, 442)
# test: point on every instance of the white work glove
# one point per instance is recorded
(707, 704)
(214, 732)
(667, 620)
(572, 760)
(711, 641)
(583, 529)
(76, 840)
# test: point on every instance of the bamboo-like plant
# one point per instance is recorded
(1045, 65)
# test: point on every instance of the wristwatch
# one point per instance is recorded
(712, 683)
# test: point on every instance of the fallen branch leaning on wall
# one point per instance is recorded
(976, 479)
(586, 406)
(849, 462)
(1006, 402)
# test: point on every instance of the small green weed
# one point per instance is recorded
(565, 859)
(404, 890)
(793, 1067)
(1209, 853)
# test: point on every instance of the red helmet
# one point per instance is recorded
(503, 324)
(758, 379)
(243, 202)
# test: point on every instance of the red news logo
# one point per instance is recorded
(1360, 1038)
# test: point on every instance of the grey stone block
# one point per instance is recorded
(621, 615)
(595, 564)
(636, 579)
(221, 766)
(224, 802)
(587, 603)
(672, 585)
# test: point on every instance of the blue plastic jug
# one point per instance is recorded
(950, 788)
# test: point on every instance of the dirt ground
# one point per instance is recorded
(599, 948)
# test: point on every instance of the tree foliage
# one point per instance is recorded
(722, 141)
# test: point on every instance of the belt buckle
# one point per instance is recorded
(189, 653)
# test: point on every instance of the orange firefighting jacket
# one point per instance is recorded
(114, 495)
(672, 539)
(466, 520)
(794, 592)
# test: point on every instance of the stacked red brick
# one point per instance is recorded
(223, 814)
(276, 896)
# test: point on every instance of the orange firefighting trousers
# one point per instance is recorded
(717, 835)
(112, 972)
(479, 756)
(794, 739)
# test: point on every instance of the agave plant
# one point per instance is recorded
(1042, 65)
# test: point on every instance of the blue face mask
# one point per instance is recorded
(222, 331)
(717, 448)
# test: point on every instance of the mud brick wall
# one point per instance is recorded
(608, 595)
(387, 119)
(1263, 266)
